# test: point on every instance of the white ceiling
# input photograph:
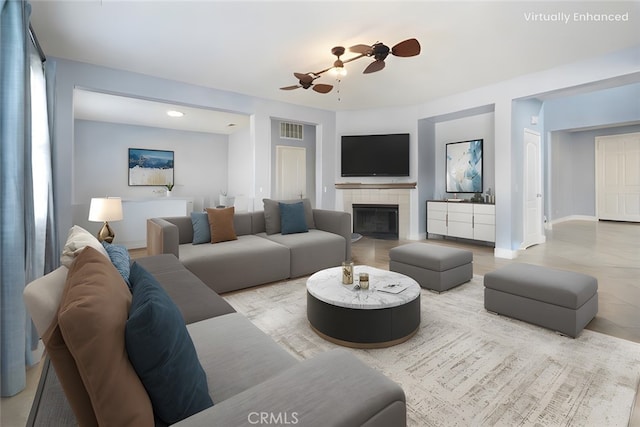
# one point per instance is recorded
(103, 107)
(253, 47)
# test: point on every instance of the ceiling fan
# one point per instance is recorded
(378, 51)
(305, 81)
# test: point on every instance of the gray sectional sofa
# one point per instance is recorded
(255, 257)
(251, 379)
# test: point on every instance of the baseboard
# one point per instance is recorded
(505, 253)
(574, 218)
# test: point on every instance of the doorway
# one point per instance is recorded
(291, 172)
(618, 177)
(533, 218)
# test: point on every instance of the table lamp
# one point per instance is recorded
(105, 209)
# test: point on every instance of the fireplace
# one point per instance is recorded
(379, 221)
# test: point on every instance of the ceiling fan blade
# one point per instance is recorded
(373, 67)
(362, 49)
(322, 88)
(290, 87)
(304, 78)
(410, 47)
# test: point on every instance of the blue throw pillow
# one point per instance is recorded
(201, 230)
(292, 219)
(120, 258)
(162, 353)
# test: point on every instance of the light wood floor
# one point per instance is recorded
(607, 250)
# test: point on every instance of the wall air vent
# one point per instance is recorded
(291, 130)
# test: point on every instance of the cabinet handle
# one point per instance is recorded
(446, 221)
(473, 222)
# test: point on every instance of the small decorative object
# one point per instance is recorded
(169, 189)
(364, 281)
(347, 273)
(224, 200)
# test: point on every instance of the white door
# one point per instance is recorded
(291, 172)
(618, 177)
(533, 218)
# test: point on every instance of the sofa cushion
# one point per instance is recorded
(272, 214)
(120, 258)
(246, 358)
(162, 353)
(92, 317)
(312, 251)
(77, 239)
(193, 298)
(201, 228)
(237, 264)
(221, 224)
(292, 218)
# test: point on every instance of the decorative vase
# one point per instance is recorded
(347, 273)
(169, 193)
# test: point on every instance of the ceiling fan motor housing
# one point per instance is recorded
(380, 51)
(338, 51)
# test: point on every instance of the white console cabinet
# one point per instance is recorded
(131, 232)
(462, 219)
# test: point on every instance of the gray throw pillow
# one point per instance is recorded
(272, 214)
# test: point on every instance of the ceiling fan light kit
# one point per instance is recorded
(378, 51)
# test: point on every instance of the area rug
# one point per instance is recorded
(467, 367)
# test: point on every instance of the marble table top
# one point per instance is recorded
(326, 285)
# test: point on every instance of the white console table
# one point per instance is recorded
(132, 230)
(475, 221)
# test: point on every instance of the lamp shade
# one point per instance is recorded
(105, 209)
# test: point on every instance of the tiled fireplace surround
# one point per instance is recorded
(382, 196)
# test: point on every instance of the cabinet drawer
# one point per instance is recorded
(437, 227)
(460, 207)
(484, 209)
(461, 217)
(440, 215)
(484, 219)
(460, 229)
(484, 232)
(436, 206)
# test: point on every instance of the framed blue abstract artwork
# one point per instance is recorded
(464, 166)
(150, 167)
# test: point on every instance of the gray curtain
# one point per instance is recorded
(25, 189)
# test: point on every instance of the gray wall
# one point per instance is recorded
(100, 161)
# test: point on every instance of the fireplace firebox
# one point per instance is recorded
(378, 221)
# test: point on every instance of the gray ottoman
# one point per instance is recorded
(434, 267)
(564, 301)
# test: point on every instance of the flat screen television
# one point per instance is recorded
(375, 155)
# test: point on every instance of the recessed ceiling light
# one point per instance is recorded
(175, 113)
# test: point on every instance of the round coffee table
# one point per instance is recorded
(360, 318)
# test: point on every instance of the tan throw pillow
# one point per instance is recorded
(92, 317)
(221, 224)
(67, 372)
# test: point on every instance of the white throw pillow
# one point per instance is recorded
(77, 239)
